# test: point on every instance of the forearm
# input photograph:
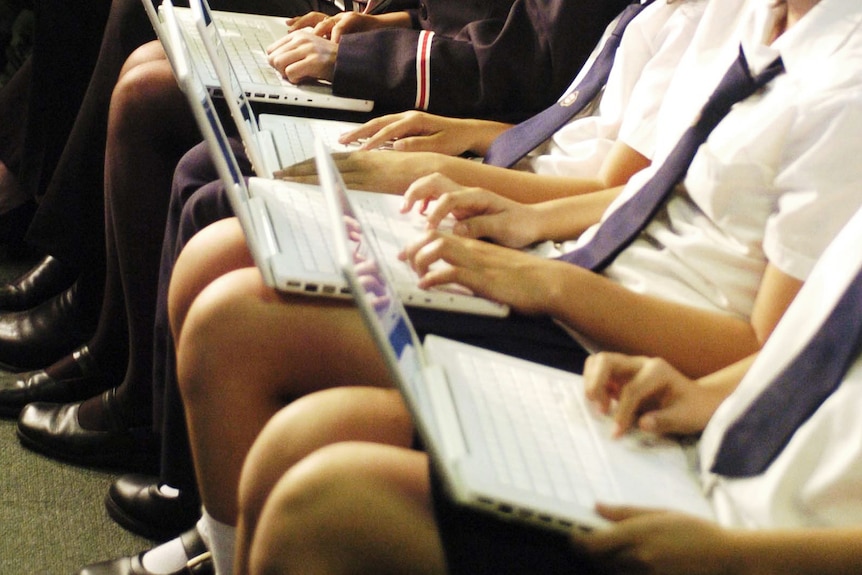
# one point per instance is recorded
(799, 552)
(723, 382)
(696, 341)
(524, 187)
(621, 163)
(567, 218)
(482, 134)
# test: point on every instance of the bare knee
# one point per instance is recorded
(140, 94)
(214, 251)
(214, 338)
(313, 422)
(349, 508)
(302, 527)
(149, 52)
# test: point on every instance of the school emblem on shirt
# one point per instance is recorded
(570, 99)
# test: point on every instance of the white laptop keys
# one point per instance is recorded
(271, 141)
(245, 38)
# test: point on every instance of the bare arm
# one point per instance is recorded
(697, 341)
(675, 544)
(694, 340)
(415, 131)
(483, 214)
(621, 163)
(393, 172)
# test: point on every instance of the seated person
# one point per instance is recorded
(369, 507)
(478, 41)
(669, 28)
(501, 58)
(644, 301)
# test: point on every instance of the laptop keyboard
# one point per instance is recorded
(308, 222)
(294, 142)
(308, 228)
(245, 43)
(534, 428)
(391, 234)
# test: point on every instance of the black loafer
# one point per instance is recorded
(40, 336)
(53, 430)
(43, 281)
(135, 502)
(19, 389)
(199, 563)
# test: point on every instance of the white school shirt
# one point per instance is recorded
(816, 481)
(775, 180)
(649, 52)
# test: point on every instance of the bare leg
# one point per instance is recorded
(214, 251)
(243, 353)
(350, 508)
(309, 423)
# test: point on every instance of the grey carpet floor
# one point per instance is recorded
(52, 516)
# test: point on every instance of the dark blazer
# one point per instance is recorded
(505, 59)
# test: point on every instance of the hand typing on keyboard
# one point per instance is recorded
(478, 213)
(648, 395)
(375, 171)
(303, 56)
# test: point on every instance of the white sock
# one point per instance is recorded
(220, 539)
(169, 557)
(168, 491)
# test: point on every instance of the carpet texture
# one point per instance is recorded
(52, 515)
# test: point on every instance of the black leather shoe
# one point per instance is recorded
(199, 563)
(40, 336)
(19, 389)
(135, 502)
(43, 281)
(53, 429)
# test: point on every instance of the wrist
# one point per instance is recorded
(533, 223)
(329, 72)
(485, 132)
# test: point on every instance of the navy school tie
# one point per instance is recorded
(622, 226)
(520, 140)
(756, 438)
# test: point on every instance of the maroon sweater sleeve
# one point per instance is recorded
(511, 61)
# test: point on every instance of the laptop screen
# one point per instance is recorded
(232, 90)
(195, 90)
(358, 256)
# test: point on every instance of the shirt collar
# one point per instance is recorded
(812, 40)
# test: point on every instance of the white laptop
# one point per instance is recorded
(246, 37)
(280, 140)
(286, 224)
(511, 437)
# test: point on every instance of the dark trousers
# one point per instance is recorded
(477, 543)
